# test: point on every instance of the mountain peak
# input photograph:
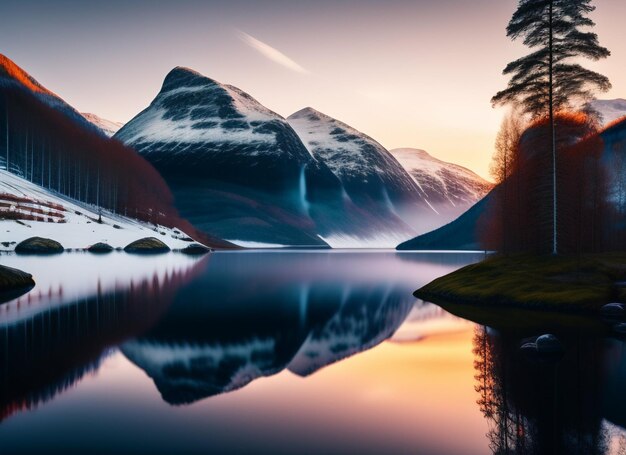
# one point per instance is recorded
(412, 151)
(9, 69)
(309, 113)
(182, 76)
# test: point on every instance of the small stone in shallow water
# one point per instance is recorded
(529, 347)
(613, 309)
(195, 249)
(100, 247)
(548, 344)
(148, 245)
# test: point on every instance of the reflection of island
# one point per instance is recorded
(543, 406)
(197, 350)
(50, 340)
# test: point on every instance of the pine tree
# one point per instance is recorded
(547, 81)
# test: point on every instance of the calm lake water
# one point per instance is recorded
(287, 352)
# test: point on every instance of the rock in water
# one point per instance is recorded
(548, 344)
(147, 245)
(195, 249)
(613, 309)
(11, 278)
(100, 247)
(14, 283)
(39, 245)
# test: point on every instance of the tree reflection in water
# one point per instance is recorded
(549, 406)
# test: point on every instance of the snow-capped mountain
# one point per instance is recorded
(356, 159)
(610, 110)
(236, 168)
(244, 173)
(29, 210)
(371, 177)
(109, 127)
(48, 143)
(448, 186)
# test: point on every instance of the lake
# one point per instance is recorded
(286, 352)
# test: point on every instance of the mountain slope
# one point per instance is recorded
(236, 168)
(12, 76)
(372, 179)
(447, 185)
(461, 234)
(108, 127)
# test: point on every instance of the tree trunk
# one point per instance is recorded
(553, 131)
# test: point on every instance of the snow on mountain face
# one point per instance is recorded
(107, 126)
(356, 159)
(206, 118)
(446, 184)
(610, 110)
(236, 168)
(28, 210)
(11, 75)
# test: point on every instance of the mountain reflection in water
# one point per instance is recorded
(199, 327)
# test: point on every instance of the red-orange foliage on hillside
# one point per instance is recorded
(519, 218)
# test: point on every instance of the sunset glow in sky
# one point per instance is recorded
(408, 73)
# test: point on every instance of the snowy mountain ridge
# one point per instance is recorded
(109, 127)
(444, 182)
(215, 112)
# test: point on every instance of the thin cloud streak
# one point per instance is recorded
(271, 53)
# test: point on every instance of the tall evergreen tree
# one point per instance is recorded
(547, 80)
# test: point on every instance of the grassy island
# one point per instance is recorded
(561, 283)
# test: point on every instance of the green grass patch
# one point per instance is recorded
(562, 283)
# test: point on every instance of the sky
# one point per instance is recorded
(408, 73)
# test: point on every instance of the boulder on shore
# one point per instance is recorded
(147, 245)
(195, 249)
(100, 247)
(39, 245)
(14, 283)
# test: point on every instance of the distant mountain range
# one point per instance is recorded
(450, 188)
(236, 170)
(243, 172)
(109, 127)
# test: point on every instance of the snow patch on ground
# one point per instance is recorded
(380, 241)
(251, 244)
(81, 228)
